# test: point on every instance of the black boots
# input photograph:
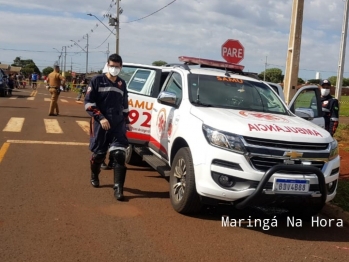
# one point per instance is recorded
(95, 170)
(110, 165)
(104, 166)
(119, 180)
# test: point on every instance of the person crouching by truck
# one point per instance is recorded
(54, 81)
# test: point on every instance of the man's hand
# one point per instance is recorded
(105, 124)
(128, 127)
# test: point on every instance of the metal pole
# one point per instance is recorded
(342, 52)
(108, 52)
(65, 59)
(87, 56)
(61, 65)
(117, 25)
(265, 66)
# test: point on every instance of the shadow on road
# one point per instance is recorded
(75, 116)
(139, 193)
(23, 107)
(145, 194)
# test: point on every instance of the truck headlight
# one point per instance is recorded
(223, 140)
(333, 149)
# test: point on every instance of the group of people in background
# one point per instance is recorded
(19, 81)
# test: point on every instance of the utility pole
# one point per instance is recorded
(65, 59)
(62, 59)
(108, 52)
(71, 65)
(293, 52)
(265, 66)
(342, 52)
(86, 56)
(117, 25)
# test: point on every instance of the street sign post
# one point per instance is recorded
(233, 51)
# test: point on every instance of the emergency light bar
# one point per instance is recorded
(210, 63)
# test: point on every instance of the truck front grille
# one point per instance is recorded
(285, 144)
(264, 163)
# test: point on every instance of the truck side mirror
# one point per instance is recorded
(167, 98)
(305, 113)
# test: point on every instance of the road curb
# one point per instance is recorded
(333, 211)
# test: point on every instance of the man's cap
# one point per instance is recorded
(325, 81)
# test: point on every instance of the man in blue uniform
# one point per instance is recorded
(106, 101)
(330, 107)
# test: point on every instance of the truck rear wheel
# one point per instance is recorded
(183, 195)
(132, 158)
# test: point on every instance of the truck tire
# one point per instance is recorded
(183, 194)
(132, 158)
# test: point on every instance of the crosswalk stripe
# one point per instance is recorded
(85, 125)
(13, 97)
(15, 124)
(31, 98)
(52, 126)
(47, 99)
(64, 101)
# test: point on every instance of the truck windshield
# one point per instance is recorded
(233, 93)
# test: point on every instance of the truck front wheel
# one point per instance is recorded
(183, 195)
(132, 158)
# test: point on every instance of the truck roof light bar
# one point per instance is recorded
(185, 66)
(207, 63)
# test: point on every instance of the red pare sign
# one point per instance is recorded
(233, 51)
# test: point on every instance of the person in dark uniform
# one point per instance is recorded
(330, 107)
(106, 101)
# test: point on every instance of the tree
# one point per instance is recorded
(159, 63)
(314, 81)
(272, 75)
(345, 82)
(28, 66)
(46, 71)
(333, 80)
(300, 81)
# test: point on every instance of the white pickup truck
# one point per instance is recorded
(223, 136)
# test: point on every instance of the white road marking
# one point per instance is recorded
(64, 101)
(47, 142)
(85, 125)
(52, 126)
(47, 99)
(15, 124)
(13, 97)
(31, 98)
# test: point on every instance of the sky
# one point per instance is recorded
(41, 29)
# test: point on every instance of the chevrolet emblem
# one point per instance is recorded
(293, 154)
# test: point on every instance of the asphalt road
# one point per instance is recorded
(49, 211)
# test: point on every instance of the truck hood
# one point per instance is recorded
(262, 125)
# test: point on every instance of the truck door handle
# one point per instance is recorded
(155, 110)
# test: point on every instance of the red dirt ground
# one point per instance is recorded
(344, 154)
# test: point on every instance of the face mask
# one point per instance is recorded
(325, 92)
(114, 71)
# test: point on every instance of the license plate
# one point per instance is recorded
(291, 185)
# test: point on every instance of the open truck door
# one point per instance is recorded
(307, 104)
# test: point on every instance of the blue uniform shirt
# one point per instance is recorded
(107, 99)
